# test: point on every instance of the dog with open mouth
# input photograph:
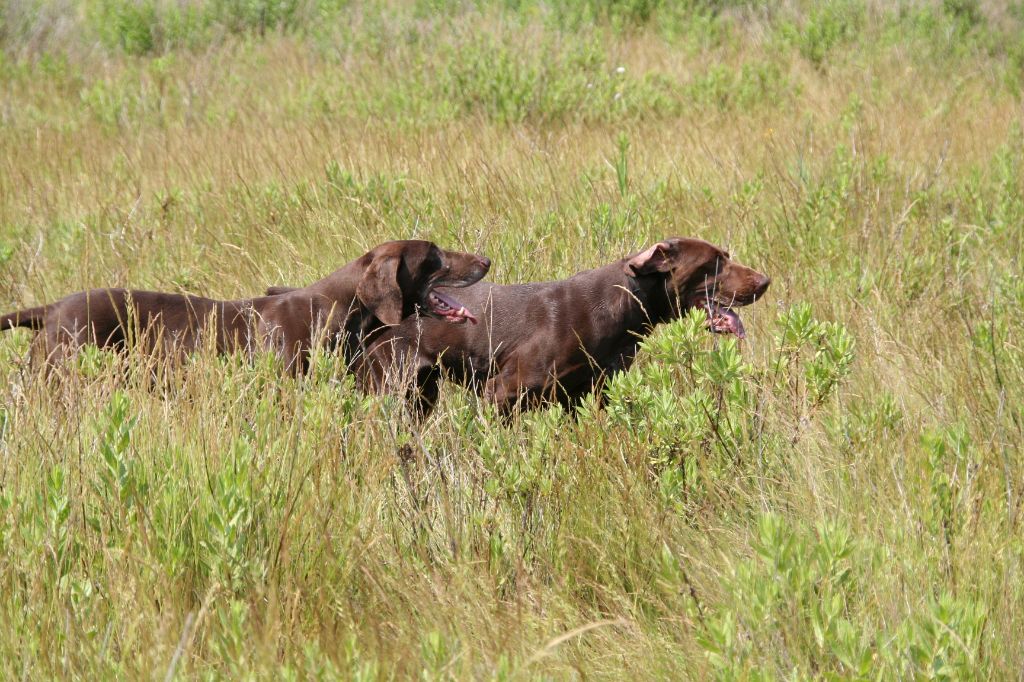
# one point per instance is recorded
(342, 311)
(558, 341)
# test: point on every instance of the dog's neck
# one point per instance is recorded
(645, 302)
(340, 286)
(341, 311)
(624, 306)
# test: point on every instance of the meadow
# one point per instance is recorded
(838, 496)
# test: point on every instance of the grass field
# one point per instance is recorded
(838, 496)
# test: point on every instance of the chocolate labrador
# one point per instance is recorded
(392, 281)
(557, 341)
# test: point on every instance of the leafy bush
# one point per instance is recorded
(825, 28)
(796, 601)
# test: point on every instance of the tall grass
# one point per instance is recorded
(839, 495)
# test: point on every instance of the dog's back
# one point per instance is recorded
(109, 318)
(30, 318)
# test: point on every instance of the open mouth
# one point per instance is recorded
(723, 319)
(448, 309)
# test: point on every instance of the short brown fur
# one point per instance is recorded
(559, 340)
(382, 287)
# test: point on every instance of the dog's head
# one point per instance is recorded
(699, 274)
(402, 276)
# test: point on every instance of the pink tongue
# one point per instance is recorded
(457, 312)
(725, 321)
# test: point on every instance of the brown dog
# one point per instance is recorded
(393, 281)
(559, 340)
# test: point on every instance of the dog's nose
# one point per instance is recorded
(485, 262)
(762, 286)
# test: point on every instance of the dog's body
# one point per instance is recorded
(557, 341)
(391, 282)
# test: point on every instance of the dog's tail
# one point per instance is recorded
(29, 317)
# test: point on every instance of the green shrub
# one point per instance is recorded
(824, 28)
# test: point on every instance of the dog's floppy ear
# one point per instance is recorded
(656, 258)
(379, 291)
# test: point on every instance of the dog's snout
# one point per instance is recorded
(762, 285)
(485, 262)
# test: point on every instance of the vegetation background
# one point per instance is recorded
(839, 496)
